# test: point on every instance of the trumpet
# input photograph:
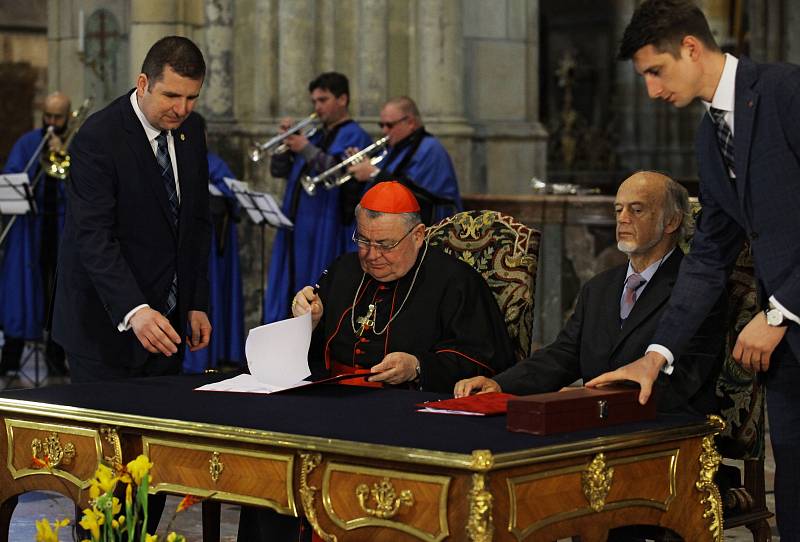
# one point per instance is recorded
(56, 164)
(308, 126)
(337, 175)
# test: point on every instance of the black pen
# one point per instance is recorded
(315, 291)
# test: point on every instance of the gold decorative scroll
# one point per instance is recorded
(480, 526)
(50, 451)
(215, 467)
(307, 494)
(112, 437)
(710, 459)
(596, 482)
(386, 498)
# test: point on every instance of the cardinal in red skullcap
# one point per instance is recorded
(399, 311)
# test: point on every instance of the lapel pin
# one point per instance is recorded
(750, 103)
(183, 137)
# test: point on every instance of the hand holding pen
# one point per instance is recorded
(307, 300)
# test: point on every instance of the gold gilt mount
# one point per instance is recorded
(596, 482)
(480, 525)
(51, 453)
(112, 437)
(710, 459)
(385, 497)
(215, 467)
(308, 493)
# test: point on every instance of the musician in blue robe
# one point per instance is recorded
(415, 158)
(323, 223)
(226, 307)
(27, 271)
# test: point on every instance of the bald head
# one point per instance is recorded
(56, 111)
(651, 211)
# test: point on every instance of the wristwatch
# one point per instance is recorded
(775, 317)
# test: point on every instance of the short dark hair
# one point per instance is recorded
(177, 52)
(663, 24)
(334, 82)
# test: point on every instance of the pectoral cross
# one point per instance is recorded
(367, 321)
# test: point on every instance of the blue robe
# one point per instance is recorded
(226, 307)
(319, 235)
(431, 169)
(22, 303)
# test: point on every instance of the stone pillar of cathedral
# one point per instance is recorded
(218, 97)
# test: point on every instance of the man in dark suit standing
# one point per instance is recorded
(132, 271)
(748, 152)
(618, 310)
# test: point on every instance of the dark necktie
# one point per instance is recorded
(632, 285)
(724, 137)
(165, 166)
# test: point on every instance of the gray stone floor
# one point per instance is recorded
(37, 505)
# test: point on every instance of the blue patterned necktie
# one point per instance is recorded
(632, 285)
(165, 166)
(724, 137)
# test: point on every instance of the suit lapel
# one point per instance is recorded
(655, 294)
(744, 113)
(140, 146)
(610, 309)
(182, 156)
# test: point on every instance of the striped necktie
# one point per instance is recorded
(632, 285)
(165, 166)
(724, 137)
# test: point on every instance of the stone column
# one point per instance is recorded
(150, 21)
(372, 56)
(296, 53)
(218, 85)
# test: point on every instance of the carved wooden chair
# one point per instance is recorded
(506, 253)
(741, 400)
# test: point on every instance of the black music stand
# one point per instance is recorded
(264, 211)
(16, 199)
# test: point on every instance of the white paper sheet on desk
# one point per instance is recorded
(277, 356)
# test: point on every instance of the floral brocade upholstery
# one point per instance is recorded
(506, 253)
(740, 396)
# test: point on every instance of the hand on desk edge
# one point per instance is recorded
(475, 385)
(395, 368)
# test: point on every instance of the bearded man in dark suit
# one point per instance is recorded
(132, 271)
(618, 310)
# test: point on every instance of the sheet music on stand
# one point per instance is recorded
(260, 207)
(15, 194)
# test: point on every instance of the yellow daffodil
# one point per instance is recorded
(128, 495)
(151, 537)
(44, 531)
(138, 468)
(121, 520)
(91, 521)
(104, 482)
(175, 537)
(187, 502)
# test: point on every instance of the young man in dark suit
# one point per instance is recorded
(748, 149)
(619, 309)
(132, 272)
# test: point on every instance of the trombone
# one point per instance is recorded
(308, 126)
(337, 175)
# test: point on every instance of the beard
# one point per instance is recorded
(632, 247)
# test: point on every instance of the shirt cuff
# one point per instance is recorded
(668, 366)
(125, 325)
(789, 315)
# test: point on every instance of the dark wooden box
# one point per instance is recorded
(577, 408)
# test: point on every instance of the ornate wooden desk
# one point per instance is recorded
(361, 464)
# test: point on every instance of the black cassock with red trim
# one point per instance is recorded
(450, 321)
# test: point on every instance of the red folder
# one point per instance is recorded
(483, 404)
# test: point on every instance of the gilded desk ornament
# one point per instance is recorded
(50, 451)
(710, 459)
(596, 482)
(215, 467)
(482, 460)
(386, 498)
(480, 524)
(112, 437)
(311, 461)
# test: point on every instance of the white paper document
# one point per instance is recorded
(12, 194)
(277, 356)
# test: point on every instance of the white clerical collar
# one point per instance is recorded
(725, 95)
(151, 132)
(651, 269)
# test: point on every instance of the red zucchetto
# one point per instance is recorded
(390, 197)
